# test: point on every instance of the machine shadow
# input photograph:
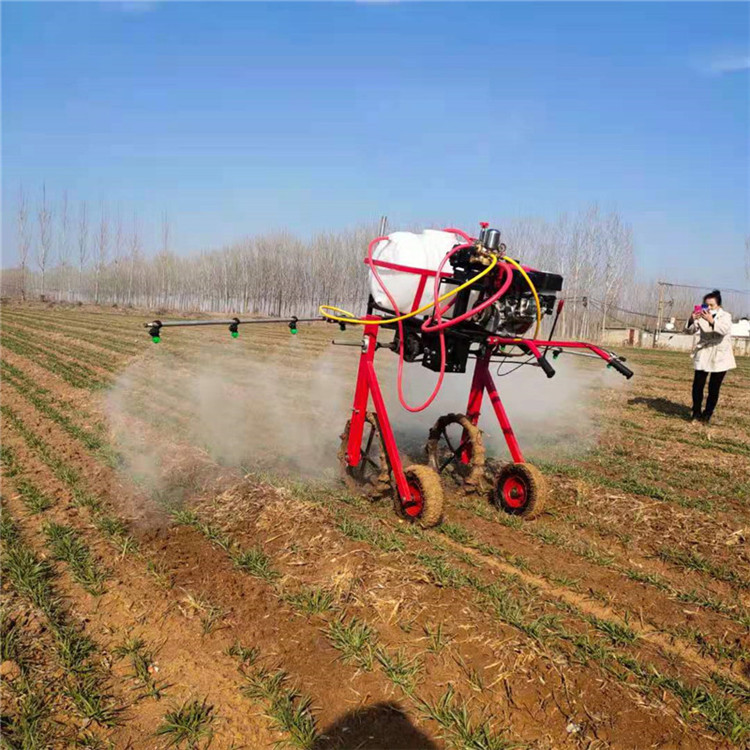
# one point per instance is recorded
(382, 726)
(663, 406)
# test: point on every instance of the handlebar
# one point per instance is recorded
(546, 366)
(532, 345)
(621, 368)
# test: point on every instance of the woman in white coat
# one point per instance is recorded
(711, 327)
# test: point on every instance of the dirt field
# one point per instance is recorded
(182, 568)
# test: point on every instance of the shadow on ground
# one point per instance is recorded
(663, 406)
(383, 726)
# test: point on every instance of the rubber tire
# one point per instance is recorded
(432, 496)
(382, 485)
(536, 488)
(476, 474)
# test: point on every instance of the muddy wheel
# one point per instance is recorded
(371, 476)
(520, 489)
(426, 505)
(455, 448)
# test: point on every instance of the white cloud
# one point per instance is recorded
(137, 6)
(730, 64)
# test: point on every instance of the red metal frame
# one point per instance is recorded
(423, 273)
(369, 387)
(535, 344)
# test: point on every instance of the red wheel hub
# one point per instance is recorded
(514, 492)
(413, 508)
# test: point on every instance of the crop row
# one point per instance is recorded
(79, 355)
(84, 682)
(103, 341)
(74, 374)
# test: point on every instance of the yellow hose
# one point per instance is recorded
(533, 291)
(324, 308)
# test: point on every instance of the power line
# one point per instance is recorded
(600, 304)
(701, 288)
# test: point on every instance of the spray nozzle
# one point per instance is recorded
(293, 324)
(154, 330)
(233, 328)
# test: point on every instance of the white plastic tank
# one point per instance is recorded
(425, 251)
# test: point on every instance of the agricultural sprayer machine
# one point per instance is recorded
(449, 298)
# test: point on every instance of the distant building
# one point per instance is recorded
(630, 336)
(741, 327)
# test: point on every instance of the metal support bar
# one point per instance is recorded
(175, 323)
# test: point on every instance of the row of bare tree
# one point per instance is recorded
(66, 254)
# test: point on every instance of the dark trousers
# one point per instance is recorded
(714, 385)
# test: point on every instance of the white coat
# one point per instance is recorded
(712, 345)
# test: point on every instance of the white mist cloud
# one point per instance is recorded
(284, 409)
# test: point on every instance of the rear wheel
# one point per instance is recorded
(455, 448)
(521, 490)
(371, 475)
(425, 506)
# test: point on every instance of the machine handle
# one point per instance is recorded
(546, 366)
(621, 368)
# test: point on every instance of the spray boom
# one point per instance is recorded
(155, 326)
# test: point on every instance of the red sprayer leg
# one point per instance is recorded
(386, 431)
(502, 417)
(361, 395)
(474, 406)
(367, 385)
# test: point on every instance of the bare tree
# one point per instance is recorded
(617, 260)
(163, 261)
(44, 217)
(165, 232)
(24, 237)
(119, 249)
(134, 250)
(63, 247)
(101, 244)
(83, 244)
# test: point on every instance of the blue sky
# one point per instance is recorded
(239, 118)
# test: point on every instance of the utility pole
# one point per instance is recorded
(659, 311)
